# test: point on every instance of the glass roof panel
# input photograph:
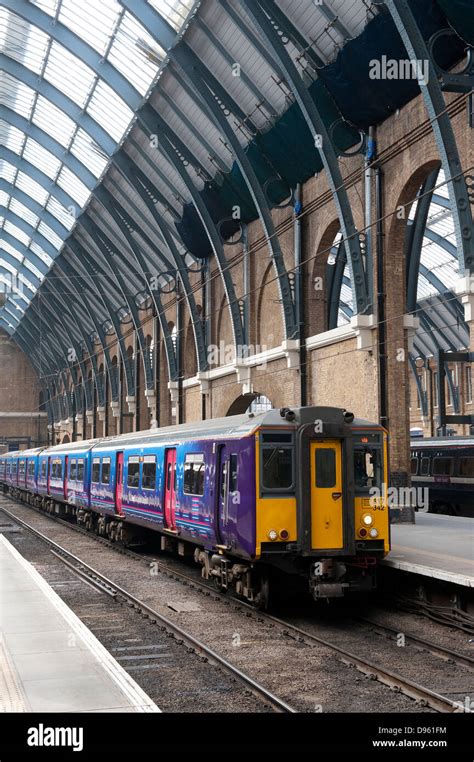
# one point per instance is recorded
(16, 95)
(110, 111)
(11, 250)
(69, 182)
(24, 212)
(4, 198)
(87, 151)
(46, 231)
(11, 137)
(48, 6)
(61, 213)
(69, 74)
(41, 158)
(93, 22)
(23, 237)
(135, 53)
(25, 183)
(21, 41)
(29, 264)
(53, 121)
(36, 249)
(7, 170)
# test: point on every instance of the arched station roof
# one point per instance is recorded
(130, 130)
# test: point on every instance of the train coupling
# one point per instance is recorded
(326, 579)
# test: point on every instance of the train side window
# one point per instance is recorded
(325, 467)
(466, 466)
(105, 474)
(425, 467)
(234, 470)
(73, 470)
(414, 466)
(442, 466)
(133, 477)
(43, 469)
(149, 472)
(80, 470)
(194, 468)
(96, 470)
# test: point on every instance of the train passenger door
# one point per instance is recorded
(66, 466)
(119, 483)
(327, 524)
(170, 489)
(48, 480)
(222, 487)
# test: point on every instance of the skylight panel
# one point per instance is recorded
(69, 74)
(16, 95)
(11, 250)
(53, 121)
(7, 171)
(41, 158)
(23, 212)
(92, 22)
(110, 111)
(50, 235)
(11, 137)
(62, 214)
(27, 263)
(135, 53)
(48, 6)
(174, 11)
(87, 151)
(36, 249)
(32, 188)
(70, 183)
(4, 198)
(15, 231)
(24, 42)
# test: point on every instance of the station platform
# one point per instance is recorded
(49, 660)
(441, 547)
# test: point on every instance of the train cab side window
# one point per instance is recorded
(277, 470)
(442, 466)
(133, 477)
(414, 466)
(149, 472)
(80, 470)
(96, 470)
(105, 474)
(73, 470)
(194, 468)
(466, 466)
(368, 467)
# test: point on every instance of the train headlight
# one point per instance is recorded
(284, 534)
(374, 532)
(273, 535)
(367, 519)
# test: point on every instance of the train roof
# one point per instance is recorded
(441, 442)
(230, 426)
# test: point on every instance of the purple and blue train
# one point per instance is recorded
(258, 499)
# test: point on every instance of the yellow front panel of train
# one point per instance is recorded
(326, 495)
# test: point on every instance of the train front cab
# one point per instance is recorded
(342, 523)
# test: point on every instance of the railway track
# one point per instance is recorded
(396, 682)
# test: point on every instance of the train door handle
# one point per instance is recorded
(336, 495)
